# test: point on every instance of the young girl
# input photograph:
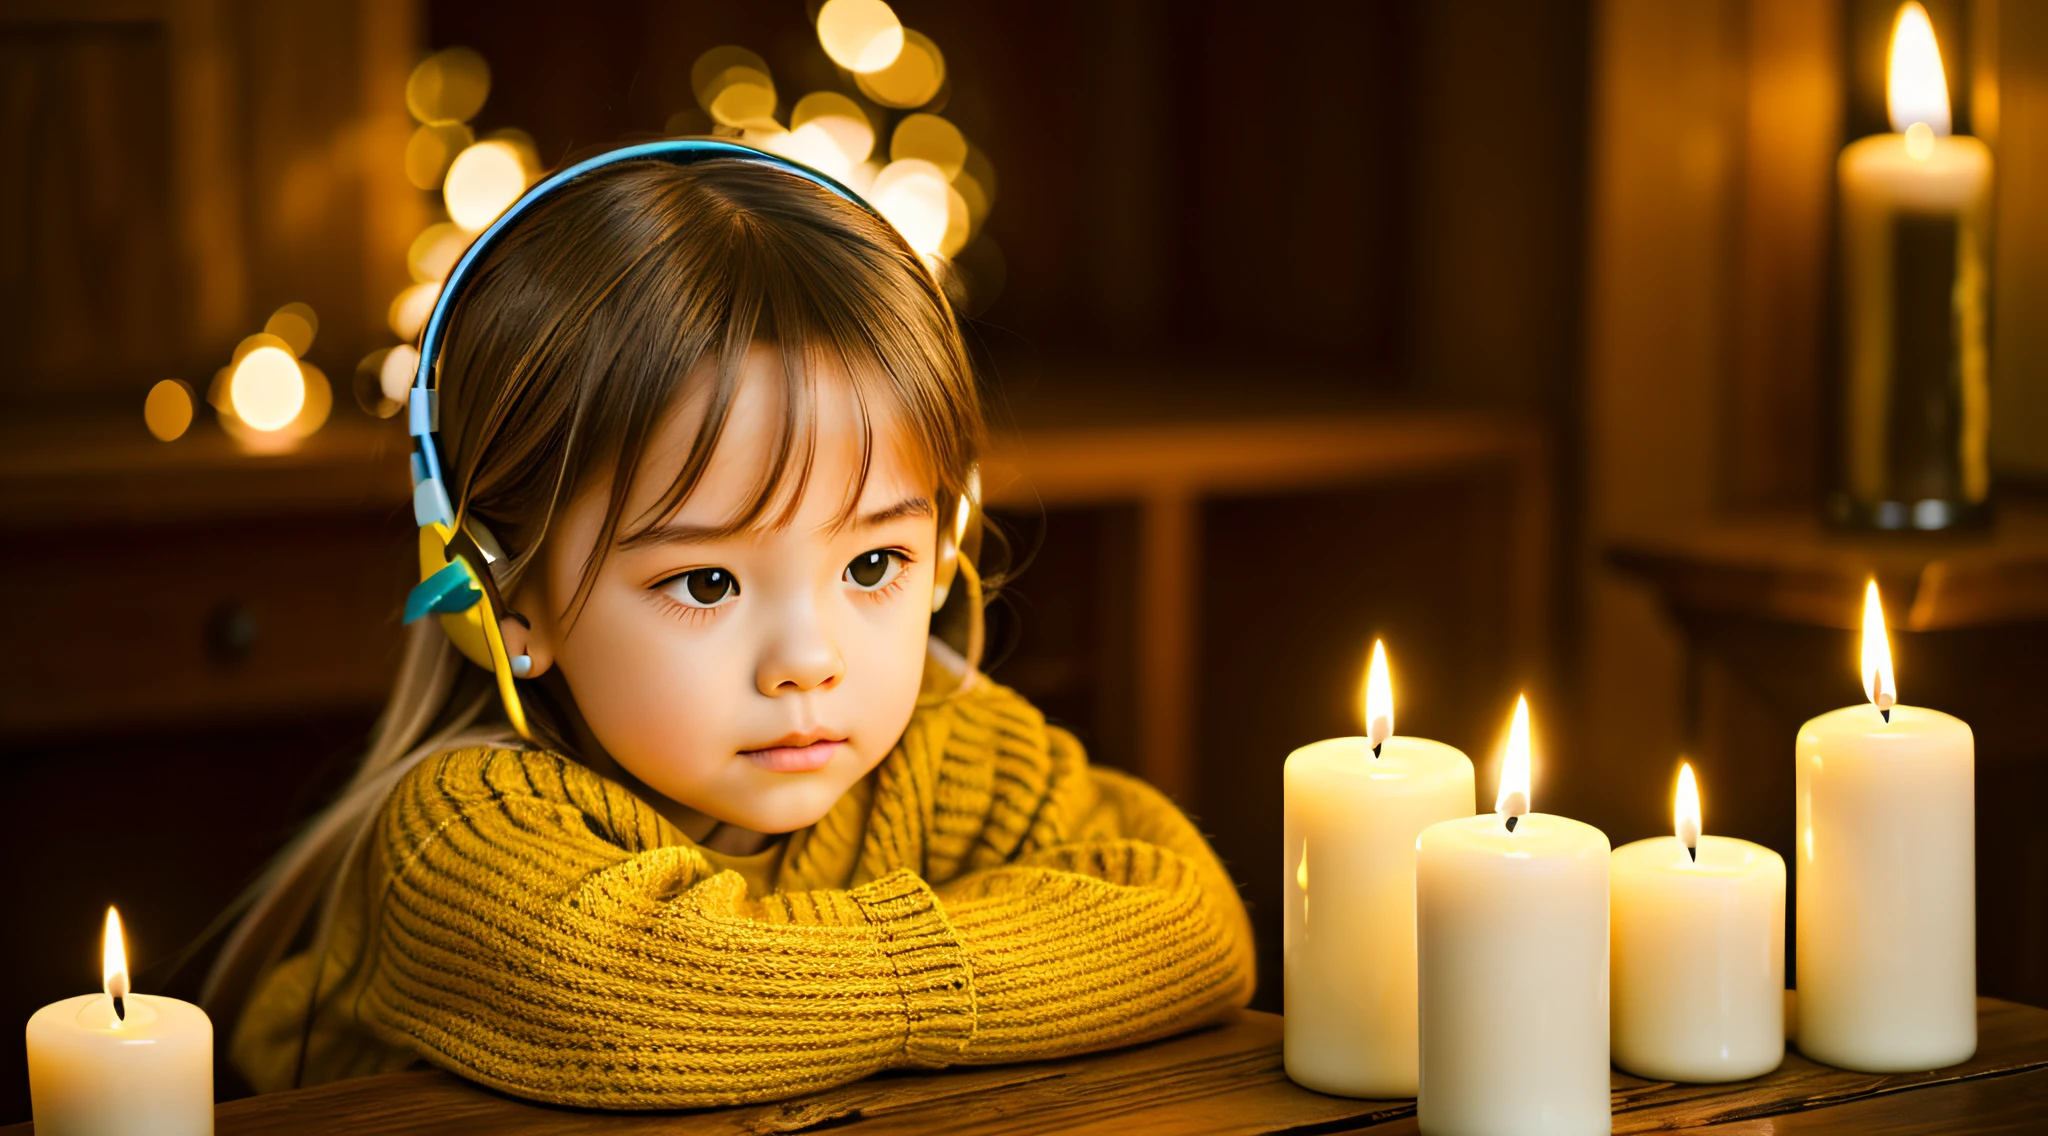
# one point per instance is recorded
(710, 427)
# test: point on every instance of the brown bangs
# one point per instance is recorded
(647, 283)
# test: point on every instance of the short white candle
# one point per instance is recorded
(1699, 952)
(1886, 945)
(1349, 954)
(144, 1069)
(1511, 932)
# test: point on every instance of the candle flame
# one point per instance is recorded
(114, 958)
(1513, 798)
(1916, 87)
(1379, 698)
(1686, 817)
(1878, 684)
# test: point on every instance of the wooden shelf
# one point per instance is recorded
(1791, 569)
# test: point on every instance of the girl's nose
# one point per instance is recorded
(801, 656)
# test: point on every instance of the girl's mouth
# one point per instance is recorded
(794, 758)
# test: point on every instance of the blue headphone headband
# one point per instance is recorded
(430, 503)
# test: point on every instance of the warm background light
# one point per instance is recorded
(1512, 799)
(931, 138)
(410, 309)
(448, 86)
(860, 35)
(267, 390)
(839, 118)
(434, 252)
(431, 148)
(296, 323)
(483, 181)
(912, 195)
(914, 79)
(1916, 87)
(1878, 684)
(168, 410)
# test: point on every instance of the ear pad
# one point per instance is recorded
(451, 589)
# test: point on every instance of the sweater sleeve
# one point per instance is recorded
(523, 947)
(1131, 931)
(524, 943)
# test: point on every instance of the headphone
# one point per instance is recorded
(458, 554)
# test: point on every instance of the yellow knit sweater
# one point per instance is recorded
(983, 896)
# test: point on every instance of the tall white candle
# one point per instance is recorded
(1698, 952)
(118, 1063)
(1511, 932)
(1354, 808)
(1886, 942)
(1921, 174)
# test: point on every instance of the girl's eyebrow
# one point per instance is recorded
(694, 534)
(908, 507)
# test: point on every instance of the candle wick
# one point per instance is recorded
(1376, 748)
(120, 1009)
(1692, 853)
(1512, 820)
(1887, 712)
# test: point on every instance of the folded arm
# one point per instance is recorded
(523, 945)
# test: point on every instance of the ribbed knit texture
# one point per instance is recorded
(983, 896)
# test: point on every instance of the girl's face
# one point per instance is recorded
(752, 678)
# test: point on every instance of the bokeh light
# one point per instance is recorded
(296, 323)
(434, 252)
(267, 389)
(734, 87)
(318, 405)
(860, 35)
(914, 79)
(744, 98)
(448, 86)
(931, 138)
(395, 376)
(841, 118)
(168, 410)
(431, 148)
(410, 309)
(483, 182)
(809, 144)
(383, 379)
(912, 195)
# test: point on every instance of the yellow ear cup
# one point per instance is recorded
(474, 630)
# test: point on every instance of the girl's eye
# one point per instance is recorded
(870, 570)
(702, 587)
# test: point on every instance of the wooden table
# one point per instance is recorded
(1225, 1079)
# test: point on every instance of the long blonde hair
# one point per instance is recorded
(583, 323)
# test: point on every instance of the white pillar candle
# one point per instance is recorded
(1349, 953)
(1698, 935)
(1886, 943)
(1921, 175)
(1511, 932)
(118, 1063)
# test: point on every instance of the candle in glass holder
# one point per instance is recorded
(1886, 937)
(1511, 937)
(1698, 934)
(1354, 807)
(119, 1063)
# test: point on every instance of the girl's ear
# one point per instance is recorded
(529, 649)
(522, 646)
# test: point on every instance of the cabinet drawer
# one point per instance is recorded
(171, 626)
